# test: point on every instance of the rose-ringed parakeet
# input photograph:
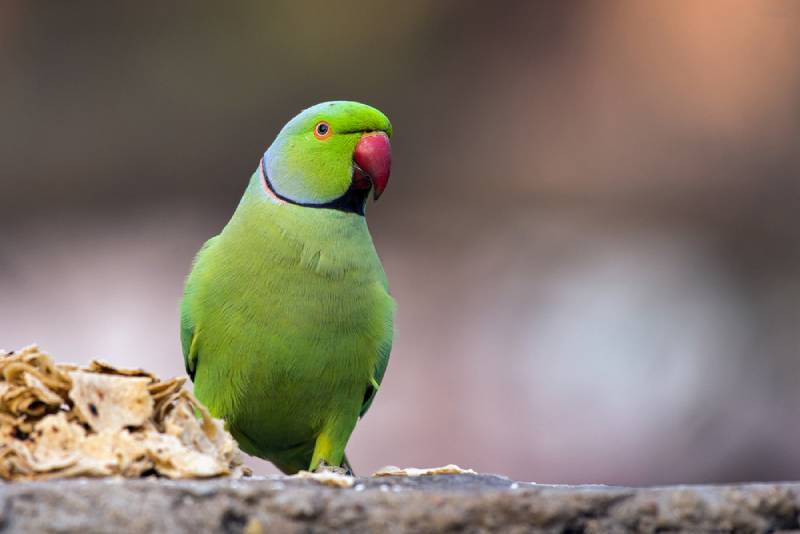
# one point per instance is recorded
(286, 319)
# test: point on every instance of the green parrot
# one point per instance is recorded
(286, 318)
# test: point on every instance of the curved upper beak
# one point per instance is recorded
(373, 155)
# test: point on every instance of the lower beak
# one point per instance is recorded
(373, 155)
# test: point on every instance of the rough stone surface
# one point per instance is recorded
(467, 503)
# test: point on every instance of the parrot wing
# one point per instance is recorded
(188, 342)
(380, 370)
(188, 326)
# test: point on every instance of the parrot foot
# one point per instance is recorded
(325, 467)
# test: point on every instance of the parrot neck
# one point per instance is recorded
(262, 215)
(353, 201)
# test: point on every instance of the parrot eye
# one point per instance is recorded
(322, 130)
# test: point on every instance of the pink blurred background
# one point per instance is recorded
(591, 230)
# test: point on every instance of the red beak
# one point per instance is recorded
(373, 155)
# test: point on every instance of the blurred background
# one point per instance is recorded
(591, 228)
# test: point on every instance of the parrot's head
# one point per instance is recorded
(330, 156)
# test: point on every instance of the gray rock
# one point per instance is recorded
(467, 503)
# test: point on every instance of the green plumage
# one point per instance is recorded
(286, 321)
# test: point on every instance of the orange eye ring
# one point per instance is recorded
(323, 130)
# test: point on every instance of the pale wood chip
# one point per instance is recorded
(450, 469)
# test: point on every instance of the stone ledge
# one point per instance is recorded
(439, 503)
